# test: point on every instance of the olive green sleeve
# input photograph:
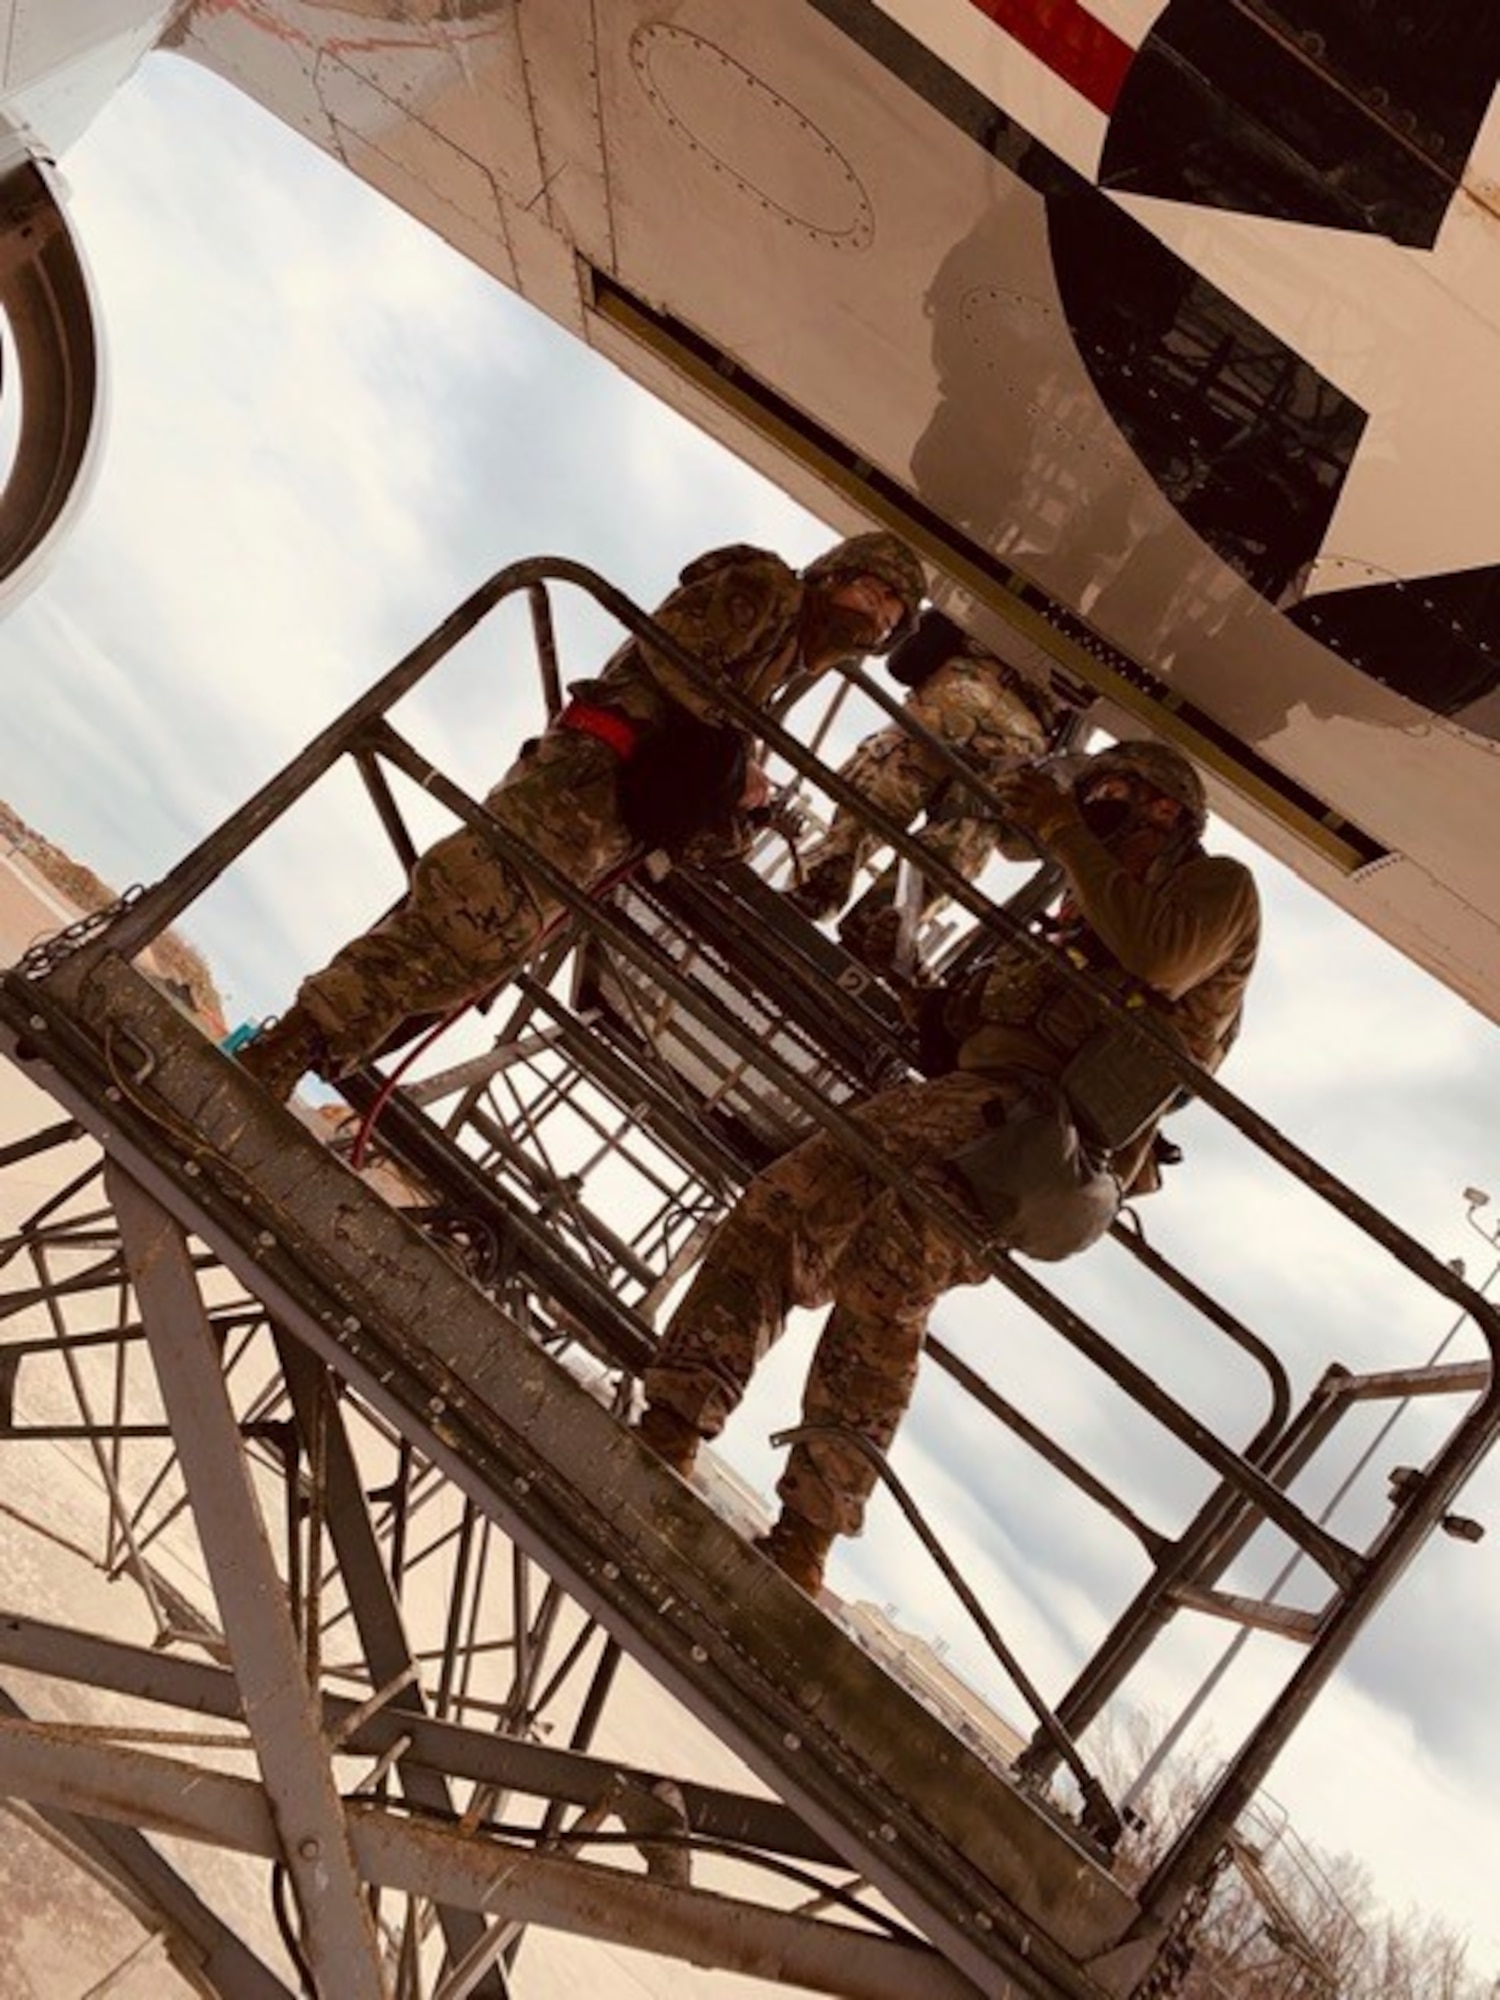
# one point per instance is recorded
(735, 621)
(1170, 935)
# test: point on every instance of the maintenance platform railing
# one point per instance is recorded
(431, 1401)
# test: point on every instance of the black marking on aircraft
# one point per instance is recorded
(1248, 441)
(1435, 639)
(1356, 114)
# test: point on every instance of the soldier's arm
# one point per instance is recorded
(733, 622)
(1170, 935)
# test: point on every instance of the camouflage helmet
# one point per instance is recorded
(880, 554)
(1165, 770)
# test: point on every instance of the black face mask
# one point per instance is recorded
(1104, 817)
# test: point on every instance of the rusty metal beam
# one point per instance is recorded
(540, 1770)
(1003, 1890)
(278, 1704)
(506, 1882)
(1446, 1378)
(196, 1938)
(372, 1602)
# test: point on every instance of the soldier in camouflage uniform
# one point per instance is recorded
(1150, 914)
(638, 758)
(977, 707)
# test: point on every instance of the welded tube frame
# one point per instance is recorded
(476, 1451)
(1340, 1562)
(302, 1798)
(150, 913)
(1358, 1579)
(207, 1951)
(156, 909)
(457, 1751)
(486, 1875)
(372, 1600)
(1206, 1547)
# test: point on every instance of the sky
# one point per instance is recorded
(325, 430)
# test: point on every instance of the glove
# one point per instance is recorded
(1036, 804)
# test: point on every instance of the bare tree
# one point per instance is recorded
(1285, 1922)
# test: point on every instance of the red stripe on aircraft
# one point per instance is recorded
(1083, 52)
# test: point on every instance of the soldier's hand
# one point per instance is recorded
(787, 817)
(756, 791)
(1036, 804)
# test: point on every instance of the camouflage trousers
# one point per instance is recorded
(971, 712)
(470, 918)
(898, 777)
(958, 829)
(817, 1228)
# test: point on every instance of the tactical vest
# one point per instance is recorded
(1023, 990)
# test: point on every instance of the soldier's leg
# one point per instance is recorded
(467, 921)
(893, 1268)
(471, 917)
(896, 776)
(786, 1242)
(865, 1366)
(965, 841)
(777, 1248)
(414, 960)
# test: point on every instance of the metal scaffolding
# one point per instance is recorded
(352, 1396)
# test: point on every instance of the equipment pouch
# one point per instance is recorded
(1036, 1182)
(1117, 1084)
(932, 643)
(685, 778)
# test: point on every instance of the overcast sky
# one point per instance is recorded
(326, 429)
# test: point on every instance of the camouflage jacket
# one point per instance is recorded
(1185, 944)
(978, 709)
(738, 611)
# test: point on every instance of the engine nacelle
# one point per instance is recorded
(51, 390)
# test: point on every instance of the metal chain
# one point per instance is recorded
(1179, 1946)
(50, 953)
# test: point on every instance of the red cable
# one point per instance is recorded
(383, 1095)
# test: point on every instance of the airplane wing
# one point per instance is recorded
(1166, 332)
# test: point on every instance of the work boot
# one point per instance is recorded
(823, 890)
(798, 1549)
(282, 1054)
(872, 935)
(671, 1436)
